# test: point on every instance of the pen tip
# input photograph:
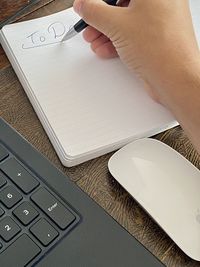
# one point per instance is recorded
(69, 34)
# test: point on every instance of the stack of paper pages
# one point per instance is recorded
(87, 105)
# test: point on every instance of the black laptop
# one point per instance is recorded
(46, 220)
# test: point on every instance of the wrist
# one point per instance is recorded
(180, 84)
(181, 95)
(177, 77)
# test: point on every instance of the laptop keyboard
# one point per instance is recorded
(32, 216)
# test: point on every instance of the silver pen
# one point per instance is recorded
(81, 24)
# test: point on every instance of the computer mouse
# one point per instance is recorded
(166, 185)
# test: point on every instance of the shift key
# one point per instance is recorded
(53, 208)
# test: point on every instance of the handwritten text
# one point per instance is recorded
(51, 35)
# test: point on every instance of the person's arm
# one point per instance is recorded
(155, 39)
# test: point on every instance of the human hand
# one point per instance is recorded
(154, 38)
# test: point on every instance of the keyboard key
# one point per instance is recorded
(44, 232)
(8, 228)
(9, 196)
(19, 175)
(20, 252)
(26, 213)
(53, 208)
(3, 153)
(2, 179)
(1, 212)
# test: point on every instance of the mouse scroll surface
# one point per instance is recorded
(166, 185)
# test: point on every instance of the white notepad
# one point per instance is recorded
(87, 105)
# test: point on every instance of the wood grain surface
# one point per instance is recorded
(11, 11)
(93, 176)
(10, 7)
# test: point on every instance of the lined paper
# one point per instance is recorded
(87, 105)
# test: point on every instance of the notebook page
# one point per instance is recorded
(89, 104)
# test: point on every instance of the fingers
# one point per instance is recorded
(100, 44)
(106, 50)
(90, 34)
(97, 14)
(102, 39)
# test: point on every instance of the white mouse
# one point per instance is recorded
(166, 185)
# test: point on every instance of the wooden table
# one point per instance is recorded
(93, 176)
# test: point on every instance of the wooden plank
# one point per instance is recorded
(19, 9)
(9, 7)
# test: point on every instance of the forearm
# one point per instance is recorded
(182, 98)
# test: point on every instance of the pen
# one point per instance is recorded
(81, 24)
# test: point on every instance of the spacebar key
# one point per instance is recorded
(19, 253)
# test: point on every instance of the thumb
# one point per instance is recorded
(97, 14)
